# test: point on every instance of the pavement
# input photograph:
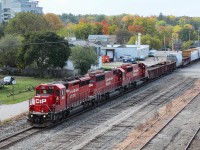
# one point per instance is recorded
(9, 111)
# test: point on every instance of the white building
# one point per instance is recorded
(115, 52)
(10, 8)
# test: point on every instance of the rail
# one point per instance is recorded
(161, 120)
(192, 139)
(11, 140)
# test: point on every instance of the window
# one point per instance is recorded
(83, 83)
(50, 91)
(114, 72)
(57, 93)
(100, 78)
(37, 92)
(130, 69)
(87, 82)
(66, 85)
(77, 83)
(63, 92)
(44, 91)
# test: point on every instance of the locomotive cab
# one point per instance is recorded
(47, 103)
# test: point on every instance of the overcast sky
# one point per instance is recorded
(116, 7)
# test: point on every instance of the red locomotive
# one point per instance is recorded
(53, 102)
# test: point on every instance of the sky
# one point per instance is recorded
(116, 7)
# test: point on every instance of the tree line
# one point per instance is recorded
(31, 40)
(160, 31)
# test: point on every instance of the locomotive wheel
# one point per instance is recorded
(134, 84)
(66, 113)
(107, 96)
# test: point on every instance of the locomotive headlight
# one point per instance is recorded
(31, 116)
(44, 116)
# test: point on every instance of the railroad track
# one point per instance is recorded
(192, 139)
(9, 141)
(160, 99)
(156, 125)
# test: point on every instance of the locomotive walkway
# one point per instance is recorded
(9, 111)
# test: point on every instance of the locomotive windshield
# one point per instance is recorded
(48, 91)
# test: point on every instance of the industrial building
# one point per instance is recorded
(115, 52)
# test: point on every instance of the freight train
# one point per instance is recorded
(54, 101)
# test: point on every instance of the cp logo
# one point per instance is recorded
(41, 101)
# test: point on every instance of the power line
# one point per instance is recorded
(43, 43)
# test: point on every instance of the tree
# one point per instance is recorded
(24, 23)
(84, 58)
(9, 45)
(153, 42)
(123, 36)
(46, 49)
(186, 44)
(99, 18)
(54, 21)
(2, 28)
(187, 34)
(149, 26)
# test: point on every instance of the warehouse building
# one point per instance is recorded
(115, 52)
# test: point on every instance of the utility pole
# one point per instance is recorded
(164, 43)
(172, 43)
(189, 35)
(198, 38)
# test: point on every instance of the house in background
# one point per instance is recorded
(103, 40)
(73, 42)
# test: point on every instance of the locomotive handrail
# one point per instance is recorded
(47, 107)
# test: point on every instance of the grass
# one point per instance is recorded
(23, 90)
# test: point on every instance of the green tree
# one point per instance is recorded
(187, 34)
(84, 58)
(9, 45)
(123, 36)
(46, 49)
(2, 28)
(186, 44)
(26, 22)
(153, 42)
